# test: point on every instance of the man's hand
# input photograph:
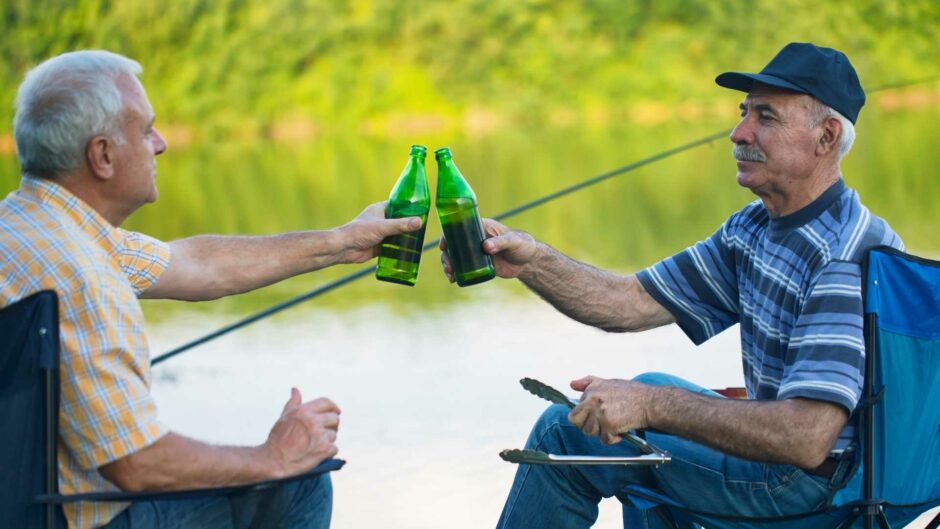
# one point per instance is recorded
(304, 435)
(609, 408)
(512, 250)
(359, 240)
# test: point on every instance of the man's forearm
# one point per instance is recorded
(592, 296)
(800, 432)
(176, 462)
(217, 266)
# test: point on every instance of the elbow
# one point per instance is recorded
(813, 453)
(123, 476)
(138, 472)
(816, 429)
(131, 485)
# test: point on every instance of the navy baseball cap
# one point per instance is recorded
(823, 73)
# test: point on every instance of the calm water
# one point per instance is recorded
(427, 376)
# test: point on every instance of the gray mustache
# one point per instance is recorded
(745, 153)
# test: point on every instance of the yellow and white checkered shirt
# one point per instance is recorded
(51, 240)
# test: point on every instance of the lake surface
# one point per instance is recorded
(427, 377)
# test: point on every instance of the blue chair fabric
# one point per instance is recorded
(899, 478)
(29, 404)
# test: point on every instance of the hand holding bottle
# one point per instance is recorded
(510, 249)
(359, 239)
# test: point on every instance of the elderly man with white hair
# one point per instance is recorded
(787, 268)
(86, 143)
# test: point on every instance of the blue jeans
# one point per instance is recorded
(699, 477)
(303, 504)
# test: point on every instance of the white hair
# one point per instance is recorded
(63, 103)
(823, 112)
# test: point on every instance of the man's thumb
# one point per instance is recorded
(294, 401)
(582, 383)
(410, 223)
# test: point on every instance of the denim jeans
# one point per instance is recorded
(303, 504)
(566, 496)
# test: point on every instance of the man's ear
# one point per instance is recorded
(100, 155)
(831, 134)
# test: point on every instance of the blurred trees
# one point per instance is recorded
(246, 68)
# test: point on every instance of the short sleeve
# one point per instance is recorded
(826, 353)
(698, 286)
(143, 260)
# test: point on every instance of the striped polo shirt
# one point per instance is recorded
(51, 240)
(794, 285)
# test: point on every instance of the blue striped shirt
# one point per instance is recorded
(794, 285)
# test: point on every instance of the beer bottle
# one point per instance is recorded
(461, 224)
(399, 255)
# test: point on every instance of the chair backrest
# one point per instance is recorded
(29, 359)
(902, 310)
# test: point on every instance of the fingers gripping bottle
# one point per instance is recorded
(461, 224)
(399, 255)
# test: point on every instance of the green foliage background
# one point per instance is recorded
(239, 68)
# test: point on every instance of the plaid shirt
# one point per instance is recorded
(49, 239)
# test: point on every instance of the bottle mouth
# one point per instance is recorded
(419, 150)
(442, 153)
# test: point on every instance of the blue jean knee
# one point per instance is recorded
(554, 415)
(311, 503)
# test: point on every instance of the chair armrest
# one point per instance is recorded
(117, 496)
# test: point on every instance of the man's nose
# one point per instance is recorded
(159, 143)
(742, 133)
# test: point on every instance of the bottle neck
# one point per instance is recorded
(412, 184)
(450, 183)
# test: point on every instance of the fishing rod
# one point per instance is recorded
(333, 285)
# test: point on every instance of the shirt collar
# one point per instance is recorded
(780, 226)
(57, 197)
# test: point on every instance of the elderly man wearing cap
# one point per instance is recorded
(786, 267)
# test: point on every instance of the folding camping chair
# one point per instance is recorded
(899, 416)
(29, 411)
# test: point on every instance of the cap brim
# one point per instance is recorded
(745, 81)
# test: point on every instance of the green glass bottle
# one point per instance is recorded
(461, 224)
(400, 255)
